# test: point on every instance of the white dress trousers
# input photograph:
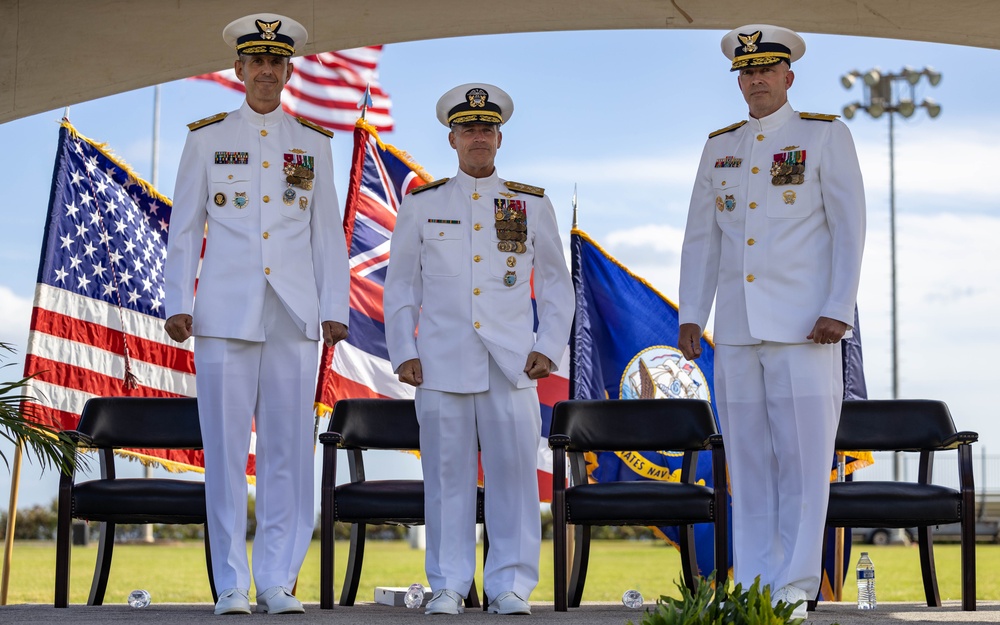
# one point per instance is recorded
(779, 406)
(507, 422)
(273, 380)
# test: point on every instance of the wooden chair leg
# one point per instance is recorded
(559, 553)
(208, 563)
(327, 540)
(61, 599)
(969, 565)
(581, 559)
(352, 577)
(102, 568)
(925, 542)
(689, 559)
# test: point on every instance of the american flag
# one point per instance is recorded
(359, 366)
(97, 319)
(326, 88)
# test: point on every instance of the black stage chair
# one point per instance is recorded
(686, 425)
(909, 425)
(358, 425)
(109, 423)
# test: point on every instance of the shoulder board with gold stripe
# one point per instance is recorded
(731, 128)
(818, 116)
(308, 124)
(208, 121)
(430, 185)
(525, 188)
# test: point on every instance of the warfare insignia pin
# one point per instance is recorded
(303, 202)
(288, 197)
(788, 196)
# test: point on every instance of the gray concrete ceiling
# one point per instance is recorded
(55, 53)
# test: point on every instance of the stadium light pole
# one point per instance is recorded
(892, 94)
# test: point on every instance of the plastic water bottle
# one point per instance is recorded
(632, 599)
(138, 599)
(866, 583)
(414, 596)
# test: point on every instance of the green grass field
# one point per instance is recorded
(175, 573)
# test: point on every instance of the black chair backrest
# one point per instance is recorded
(893, 424)
(144, 422)
(377, 423)
(626, 425)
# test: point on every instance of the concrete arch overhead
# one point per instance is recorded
(55, 53)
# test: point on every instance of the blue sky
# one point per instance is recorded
(624, 115)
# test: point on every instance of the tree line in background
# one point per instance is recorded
(39, 523)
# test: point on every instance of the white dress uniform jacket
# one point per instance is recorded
(255, 237)
(469, 298)
(777, 257)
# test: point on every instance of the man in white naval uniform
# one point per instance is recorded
(463, 251)
(775, 234)
(275, 265)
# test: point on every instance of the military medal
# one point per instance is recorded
(232, 158)
(510, 221)
(510, 279)
(789, 167)
(240, 199)
(220, 199)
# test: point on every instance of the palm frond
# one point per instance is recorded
(52, 449)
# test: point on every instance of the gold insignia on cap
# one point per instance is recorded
(267, 29)
(749, 41)
(477, 97)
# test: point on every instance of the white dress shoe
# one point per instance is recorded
(445, 602)
(791, 595)
(233, 601)
(278, 600)
(509, 603)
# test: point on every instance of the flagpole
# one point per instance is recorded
(8, 545)
(15, 483)
(154, 180)
(838, 542)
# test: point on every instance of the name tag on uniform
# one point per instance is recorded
(444, 221)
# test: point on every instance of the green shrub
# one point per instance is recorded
(710, 606)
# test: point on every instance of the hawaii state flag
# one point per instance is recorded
(358, 366)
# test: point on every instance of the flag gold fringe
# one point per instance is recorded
(106, 151)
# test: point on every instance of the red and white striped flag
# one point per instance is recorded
(97, 321)
(326, 88)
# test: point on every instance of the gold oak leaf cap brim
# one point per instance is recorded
(760, 45)
(265, 33)
(475, 103)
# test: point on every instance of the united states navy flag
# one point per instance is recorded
(624, 345)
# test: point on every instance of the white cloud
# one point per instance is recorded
(16, 314)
